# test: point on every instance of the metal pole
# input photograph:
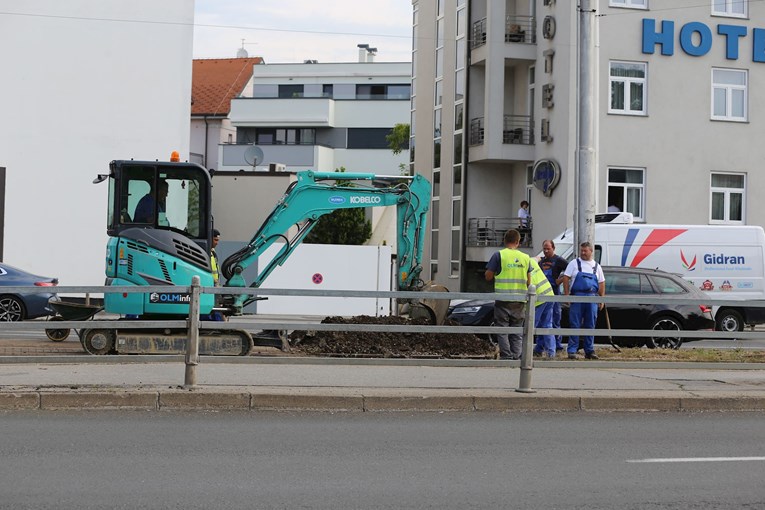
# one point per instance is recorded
(524, 385)
(584, 225)
(192, 344)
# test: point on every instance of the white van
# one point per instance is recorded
(725, 261)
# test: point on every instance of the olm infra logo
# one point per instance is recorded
(686, 265)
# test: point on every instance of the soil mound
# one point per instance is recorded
(389, 344)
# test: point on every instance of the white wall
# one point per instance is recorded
(329, 267)
(76, 94)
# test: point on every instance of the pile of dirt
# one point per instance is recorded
(389, 344)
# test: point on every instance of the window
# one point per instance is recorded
(727, 198)
(621, 283)
(289, 91)
(382, 91)
(634, 4)
(165, 198)
(729, 94)
(625, 191)
(734, 8)
(628, 88)
(279, 136)
(368, 138)
(667, 285)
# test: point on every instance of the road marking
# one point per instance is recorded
(698, 459)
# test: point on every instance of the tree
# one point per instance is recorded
(344, 226)
(398, 138)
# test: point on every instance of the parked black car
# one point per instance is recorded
(19, 306)
(625, 281)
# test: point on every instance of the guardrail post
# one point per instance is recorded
(527, 355)
(192, 343)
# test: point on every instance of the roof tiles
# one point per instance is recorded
(216, 81)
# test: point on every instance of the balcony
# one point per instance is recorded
(231, 156)
(476, 131)
(485, 235)
(518, 129)
(520, 29)
(478, 34)
(274, 112)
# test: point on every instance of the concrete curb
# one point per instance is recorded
(375, 401)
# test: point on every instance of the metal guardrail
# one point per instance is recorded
(476, 131)
(518, 129)
(478, 33)
(489, 231)
(520, 29)
(193, 324)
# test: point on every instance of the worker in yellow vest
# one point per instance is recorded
(214, 257)
(543, 315)
(215, 265)
(509, 269)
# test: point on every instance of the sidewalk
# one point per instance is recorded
(375, 385)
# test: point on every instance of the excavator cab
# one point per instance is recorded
(159, 226)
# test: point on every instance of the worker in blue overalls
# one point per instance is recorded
(583, 277)
(545, 344)
(554, 266)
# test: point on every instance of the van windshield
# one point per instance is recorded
(565, 250)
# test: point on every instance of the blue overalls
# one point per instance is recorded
(556, 306)
(583, 315)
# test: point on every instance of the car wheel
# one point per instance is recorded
(729, 321)
(665, 324)
(11, 309)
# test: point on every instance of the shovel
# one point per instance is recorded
(608, 325)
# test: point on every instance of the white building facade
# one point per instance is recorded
(494, 116)
(84, 82)
(320, 116)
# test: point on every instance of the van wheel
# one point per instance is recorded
(665, 325)
(729, 320)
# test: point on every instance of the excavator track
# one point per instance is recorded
(163, 341)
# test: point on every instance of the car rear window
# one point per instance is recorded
(668, 285)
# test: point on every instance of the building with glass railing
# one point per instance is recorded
(320, 116)
(494, 118)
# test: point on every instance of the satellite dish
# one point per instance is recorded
(253, 155)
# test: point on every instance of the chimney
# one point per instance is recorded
(371, 52)
(363, 48)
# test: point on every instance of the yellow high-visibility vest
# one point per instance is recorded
(514, 267)
(539, 279)
(214, 265)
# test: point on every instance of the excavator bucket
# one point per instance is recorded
(432, 309)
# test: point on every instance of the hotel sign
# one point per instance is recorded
(696, 39)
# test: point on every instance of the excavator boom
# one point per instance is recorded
(315, 194)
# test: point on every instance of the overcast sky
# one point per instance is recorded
(280, 30)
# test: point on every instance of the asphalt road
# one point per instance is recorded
(366, 460)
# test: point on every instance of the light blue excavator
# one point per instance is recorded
(160, 228)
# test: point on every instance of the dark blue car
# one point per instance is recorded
(18, 306)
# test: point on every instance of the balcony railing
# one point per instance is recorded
(490, 231)
(518, 129)
(478, 34)
(476, 131)
(520, 29)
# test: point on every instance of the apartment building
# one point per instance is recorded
(319, 116)
(495, 114)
